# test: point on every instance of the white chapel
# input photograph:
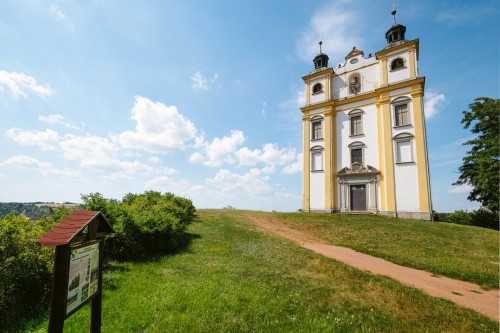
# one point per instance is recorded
(365, 147)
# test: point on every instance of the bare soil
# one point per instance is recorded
(465, 294)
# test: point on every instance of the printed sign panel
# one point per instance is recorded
(83, 275)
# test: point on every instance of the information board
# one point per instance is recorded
(83, 276)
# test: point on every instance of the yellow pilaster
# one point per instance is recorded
(306, 173)
(388, 157)
(327, 114)
(423, 177)
(308, 93)
(327, 87)
(384, 71)
(413, 68)
(333, 143)
(383, 190)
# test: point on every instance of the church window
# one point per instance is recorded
(401, 107)
(404, 148)
(397, 63)
(317, 128)
(356, 121)
(317, 88)
(354, 84)
(356, 151)
(317, 158)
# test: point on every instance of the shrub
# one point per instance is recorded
(144, 224)
(460, 217)
(26, 266)
(485, 218)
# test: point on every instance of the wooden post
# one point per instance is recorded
(59, 285)
(96, 303)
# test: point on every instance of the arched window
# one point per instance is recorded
(401, 106)
(357, 152)
(354, 84)
(316, 128)
(403, 143)
(317, 88)
(356, 120)
(397, 63)
(317, 158)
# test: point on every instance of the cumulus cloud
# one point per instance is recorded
(433, 103)
(46, 140)
(269, 154)
(159, 128)
(296, 166)
(43, 168)
(464, 188)
(202, 83)
(253, 183)
(167, 184)
(57, 119)
(337, 26)
(219, 151)
(18, 85)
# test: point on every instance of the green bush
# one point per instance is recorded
(485, 218)
(144, 224)
(25, 267)
(460, 217)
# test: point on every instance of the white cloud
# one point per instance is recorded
(465, 188)
(433, 103)
(296, 166)
(166, 184)
(200, 82)
(159, 129)
(44, 168)
(46, 140)
(269, 154)
(263, 109)
(219, 151)
(19, 84)
(57, 119)
(252, 183)
(337, 26)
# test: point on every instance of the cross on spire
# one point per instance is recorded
(393, 12)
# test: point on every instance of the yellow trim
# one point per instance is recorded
(409, 44)
(327, 114)
(318, 74)
(327, 88)
(418, 113)
(413, 68)
(306, 173)
(372, 94)
(334, 162)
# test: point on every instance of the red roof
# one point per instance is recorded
(68, 228)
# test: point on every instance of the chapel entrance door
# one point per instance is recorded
(358, 197)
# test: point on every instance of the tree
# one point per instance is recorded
(481, 163)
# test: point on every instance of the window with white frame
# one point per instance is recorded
(317, 158)
(401, 107)
(356, 122)
(316, 128)
(356, 150)
(404, 148)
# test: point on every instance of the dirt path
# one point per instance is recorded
(465, 294)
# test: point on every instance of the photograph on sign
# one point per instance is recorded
(83, 275)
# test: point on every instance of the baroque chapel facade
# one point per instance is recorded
(365, 147)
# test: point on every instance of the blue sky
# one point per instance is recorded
(201, 98)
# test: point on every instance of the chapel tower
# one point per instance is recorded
(365, 147)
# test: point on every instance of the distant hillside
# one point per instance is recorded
(31, 209)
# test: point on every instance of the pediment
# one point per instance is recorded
(358, 169)
(354, 52)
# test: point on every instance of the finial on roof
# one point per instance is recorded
(320, 43)
(394, 13)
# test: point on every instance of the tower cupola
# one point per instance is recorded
(321, 59)
(396, 33)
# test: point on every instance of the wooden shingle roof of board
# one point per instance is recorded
(72, 228)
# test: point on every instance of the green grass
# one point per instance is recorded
(233, 278)
(462, 252)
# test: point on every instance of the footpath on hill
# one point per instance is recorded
(465, 294)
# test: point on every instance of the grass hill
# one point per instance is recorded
(233, 278)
